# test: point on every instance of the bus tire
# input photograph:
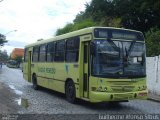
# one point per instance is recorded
(70, 91)
(34, 82)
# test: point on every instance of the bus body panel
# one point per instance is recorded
(25, 71)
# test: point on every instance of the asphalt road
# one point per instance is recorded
(13, 88)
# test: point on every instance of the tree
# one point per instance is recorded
(153, 42)
(2, 39)
(67, 28)
(17, 61)
(75, 26)
(3, 57)
(99, 9)
(83, 24)
(141, 15)
(138, 14)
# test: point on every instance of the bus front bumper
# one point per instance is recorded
(104, 96)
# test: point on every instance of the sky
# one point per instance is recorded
(26, 21)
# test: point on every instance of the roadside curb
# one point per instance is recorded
(154, 97)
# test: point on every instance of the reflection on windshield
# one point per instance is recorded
(118, 58)
(107, 47)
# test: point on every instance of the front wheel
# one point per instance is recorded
(70, 92)
(34, 82)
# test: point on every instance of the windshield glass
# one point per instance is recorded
(118, 58)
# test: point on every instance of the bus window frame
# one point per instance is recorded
(74, 49)
(37, 60)
(52, 52)
(56, 59)
(41, 53)
(26, 55)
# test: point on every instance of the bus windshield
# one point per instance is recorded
(118, 59)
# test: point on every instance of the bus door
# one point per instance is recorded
(29, 65)
(86, 69)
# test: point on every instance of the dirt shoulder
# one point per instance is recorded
(7, 100)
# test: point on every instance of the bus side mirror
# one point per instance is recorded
(92, 49)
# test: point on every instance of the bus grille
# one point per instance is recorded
(122, 88)
(123, 96)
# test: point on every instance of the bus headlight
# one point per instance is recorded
(105, 89)
(144, 87)
(139, 59)
(100, 88)
(93, 88)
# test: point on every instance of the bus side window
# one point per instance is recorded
(72, 49)
(35, 54)
(50, 51)
(42, 53)
(26, 55)
(60, 48)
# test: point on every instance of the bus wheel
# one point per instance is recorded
(70, 92)
(34, 82)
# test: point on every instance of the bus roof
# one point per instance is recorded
(72, 34)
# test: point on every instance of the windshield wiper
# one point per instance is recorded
(113, 45)
(130, 48)
(128, 52)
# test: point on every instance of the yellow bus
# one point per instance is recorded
(96, 64)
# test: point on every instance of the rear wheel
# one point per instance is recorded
(70, 91)
(34, 82)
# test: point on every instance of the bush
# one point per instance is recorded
(76, 26)
(153, 42)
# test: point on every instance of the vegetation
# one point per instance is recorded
(153, 42)
(3, 57)
(72, 27)
(18, 59)
(2, 39)
(142, 15)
